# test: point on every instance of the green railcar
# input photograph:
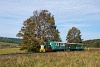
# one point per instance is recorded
(61, 46)
(75, 46)
(58, 46)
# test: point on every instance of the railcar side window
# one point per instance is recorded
(55, 44)
(59, 43)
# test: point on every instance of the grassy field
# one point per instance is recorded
(10, 50)
(12, 44)
(57, 59)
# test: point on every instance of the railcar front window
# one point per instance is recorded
(49, 46)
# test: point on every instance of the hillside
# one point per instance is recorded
(92, 43)
(11, 44)
(10, 40)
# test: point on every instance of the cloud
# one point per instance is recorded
(70, 9)
(74, 25)
(67, 13)
(90, 35)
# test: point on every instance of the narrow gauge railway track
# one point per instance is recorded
(28, 53)
(22, 54)
(12, 55)
(18, 54)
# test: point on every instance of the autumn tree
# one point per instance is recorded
(57, 36)
(74, 36)
(38, 28)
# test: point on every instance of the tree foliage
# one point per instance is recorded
(38, 28)
(74, 36)
(92, 43)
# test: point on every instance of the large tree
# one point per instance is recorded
(38, 28)
(74, 36)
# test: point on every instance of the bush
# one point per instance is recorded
(33, 49)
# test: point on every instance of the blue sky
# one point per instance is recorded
(82, 14)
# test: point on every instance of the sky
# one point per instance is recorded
(82, 14)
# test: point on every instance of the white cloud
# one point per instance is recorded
(74, 25)
(67, 13)
(90, 35)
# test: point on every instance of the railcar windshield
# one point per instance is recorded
(47, 46)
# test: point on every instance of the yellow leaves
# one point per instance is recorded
(40, 42)
(19, 34)
(28, 20)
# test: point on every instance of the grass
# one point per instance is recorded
(10, 50)
(12, 44)
(57, 59)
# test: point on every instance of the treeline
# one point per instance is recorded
(92, 43)
(10, 40)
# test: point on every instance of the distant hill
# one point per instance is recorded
(92, 43)
(16, 41)
(10, 40)
(11, 44)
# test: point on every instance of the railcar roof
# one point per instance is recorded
(60, 42)
(75, 43)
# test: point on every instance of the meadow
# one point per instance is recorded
(13, 48)
(12, 44)
(10, 50)
(56, 59)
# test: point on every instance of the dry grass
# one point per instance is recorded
(10, 50)
(58, 59)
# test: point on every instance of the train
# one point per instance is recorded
(52, 46)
